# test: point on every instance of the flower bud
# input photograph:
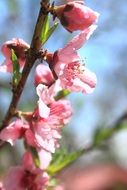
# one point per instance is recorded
(18, 45)
(43, 75)
(75, 16)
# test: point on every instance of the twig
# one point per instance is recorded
(97, 144)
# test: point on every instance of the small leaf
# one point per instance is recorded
(63, 161)
(62, 94)
(16, 69)
(52, 183)
(50, 31)
(102, 134)
(15, 62)
(45, 29)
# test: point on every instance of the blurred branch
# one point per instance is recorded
(100, 138)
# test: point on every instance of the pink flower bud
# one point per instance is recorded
(75, 16)
(43, 75)
(19, 46)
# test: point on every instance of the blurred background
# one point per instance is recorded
(105, 54)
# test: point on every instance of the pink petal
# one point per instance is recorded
(45, 143)
(90, 79)
(30, 138)
(6, 66)
(28, 162)
(79, 17)
(43, 75)
(47, 94)
(14, 178)
(14, 43)
(43, 93)
(45, 158)
(44, 110)
(5, 50)
(78, 41)
(54, 89)
(69, 52)
(60, 113)
(12, 132)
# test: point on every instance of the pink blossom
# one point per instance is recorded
(73, 75)
(76, 16)
(60, 113)
(44, 138)
(37, 134)
(47, 130)
(41, 133)
(13, 131)
(45, 158)
(19, 46)
(46, 96)
(47, 125)
(43, 128)
(18, 129)
(26, 176)
(43, 75)
(50, 109)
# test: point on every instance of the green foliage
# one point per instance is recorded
(101, 134)
(62, 94)
(62, 159)
(46, 31)
(104, 133)
(52, 183)
(51, 30)
(16, 69)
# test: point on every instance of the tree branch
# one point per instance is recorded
(30, 59)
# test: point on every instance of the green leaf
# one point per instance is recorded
(51, 30)
(52, 183)
(62, 161)
(14, 59)
(16, 69)
(45, 29)
(102, 134)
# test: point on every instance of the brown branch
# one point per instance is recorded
(30, 59)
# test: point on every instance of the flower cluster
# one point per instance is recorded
(41, 129)
(25, 176)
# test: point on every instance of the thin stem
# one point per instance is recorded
(30, 59)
